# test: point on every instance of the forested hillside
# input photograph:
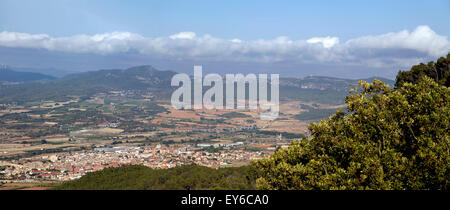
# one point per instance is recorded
(140, 80)
(137, 177)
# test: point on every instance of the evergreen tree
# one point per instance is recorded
(439, 72)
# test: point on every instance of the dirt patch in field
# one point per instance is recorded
(291, 126)
(183, 114)
(109, 130)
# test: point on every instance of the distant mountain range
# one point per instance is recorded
(146, 79)
(140, 80)
(328, 83)
(58, 73)
(134, 78)
(8, 75)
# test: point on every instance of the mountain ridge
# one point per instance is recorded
(147, 79)
(9, 75)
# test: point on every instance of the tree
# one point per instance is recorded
(389, 139)
(439, 72)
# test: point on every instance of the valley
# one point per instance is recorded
(94, 120)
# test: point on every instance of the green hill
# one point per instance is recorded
(140, 79)
(9, 75)
(137, 177)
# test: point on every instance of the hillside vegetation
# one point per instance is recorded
(140, 80)
(137, 177)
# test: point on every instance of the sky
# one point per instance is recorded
(294, 38)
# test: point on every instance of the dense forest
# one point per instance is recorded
(137, 177)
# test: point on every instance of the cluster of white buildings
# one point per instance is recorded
(69, 166)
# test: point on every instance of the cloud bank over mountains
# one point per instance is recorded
(390, 50)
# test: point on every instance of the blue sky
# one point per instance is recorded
(249, 19)
(290, 31)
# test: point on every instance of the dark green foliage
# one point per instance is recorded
(439, 72)
(136, 177)
(390, 139)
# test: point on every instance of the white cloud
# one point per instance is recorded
(422, 39)
(236, 40)
(391, 49)
(183, 35)
(326, 42)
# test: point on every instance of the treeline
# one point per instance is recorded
(439, 71)
(136, 177)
